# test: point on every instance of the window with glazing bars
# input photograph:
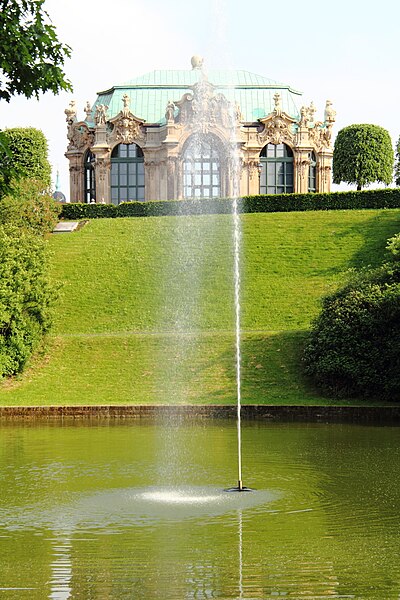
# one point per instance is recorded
(90, 187)
(312, 174)
(201, 169)
(276, 169)
(127, 173)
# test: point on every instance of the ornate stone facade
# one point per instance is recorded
(200, 113)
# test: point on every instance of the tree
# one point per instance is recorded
(397, 164)
(362, 155)
(31, 60)
(31, 57)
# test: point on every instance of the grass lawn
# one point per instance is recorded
(146, 310)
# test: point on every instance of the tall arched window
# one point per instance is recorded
(127, 173)
(276, 169)
(312, 174)
(90, 186)
(202, 168)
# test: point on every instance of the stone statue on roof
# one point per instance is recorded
(197, 62)
(101, 114)
(88, 111)
(127, 101)
(170, 112)
(311, 112)
(330, 113)
(71, 112)
(278, 105)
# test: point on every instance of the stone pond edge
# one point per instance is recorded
(311, 414)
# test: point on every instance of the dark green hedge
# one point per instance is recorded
(384, 198)
(354, 346)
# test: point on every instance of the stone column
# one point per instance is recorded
(150, 179)
(171, 177)
(76, 176)
(324, 171)
(101, 150)
(301, 170)
(102, 174)
(254, 172)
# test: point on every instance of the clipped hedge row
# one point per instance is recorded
(384, 198)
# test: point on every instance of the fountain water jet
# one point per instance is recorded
(236, 274)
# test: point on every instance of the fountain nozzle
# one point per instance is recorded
(240, 488)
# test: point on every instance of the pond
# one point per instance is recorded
(137, 509)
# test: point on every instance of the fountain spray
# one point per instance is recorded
(236, 258)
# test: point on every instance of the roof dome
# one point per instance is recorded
(150, 93)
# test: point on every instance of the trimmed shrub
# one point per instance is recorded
(26, 297)
(27, 148)
(354, 346)
(28, 208)
(362, 155)
(76, 211)
(384, 198)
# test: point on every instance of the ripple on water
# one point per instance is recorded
(137, 506)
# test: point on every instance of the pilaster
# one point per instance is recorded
(76, 176)
(324, 171)
(102, 152)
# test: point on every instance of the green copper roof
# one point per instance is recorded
(150, 93)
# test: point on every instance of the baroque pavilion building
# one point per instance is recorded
(191, 134)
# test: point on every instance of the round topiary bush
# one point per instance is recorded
(354, 345)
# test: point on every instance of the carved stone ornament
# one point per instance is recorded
(254, 167)
(304, 116)
(170, 112)
(325, 173)
(71, 112)
(278, 129)
(101, 114)
(102, 167)
(278, 126)
(126, 128)
(88, 111)
(203, 109)
(330, 113)
(320, 135)
(79, 136)
(302, 165)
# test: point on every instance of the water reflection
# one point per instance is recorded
(61, 569)
(97, 526)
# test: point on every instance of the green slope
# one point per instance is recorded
(146, 309)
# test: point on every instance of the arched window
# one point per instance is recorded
(127, 173)
(90, 185)
(276, 169)
(201, 168)
(312, 174)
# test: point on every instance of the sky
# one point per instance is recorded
(346, 51)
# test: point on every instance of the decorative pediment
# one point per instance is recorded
(203, 109)
(278, 129)
(125, 127)
(278, 126)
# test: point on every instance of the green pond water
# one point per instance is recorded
(137, 509)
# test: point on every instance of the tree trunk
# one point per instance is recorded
(358, 188)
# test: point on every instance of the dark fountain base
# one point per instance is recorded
(239, 488)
